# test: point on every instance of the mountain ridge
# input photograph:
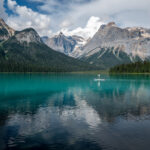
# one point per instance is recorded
(111, 35)
(69, 45)
(25, 51)
(110, 46)
(133, 43)
(5, 31)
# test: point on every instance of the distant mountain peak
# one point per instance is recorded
(28, 35)
(69, 45)
(1, 20)
(5, 31)
(110, 24)
(29, 30)
(123, 44)
(61, 33)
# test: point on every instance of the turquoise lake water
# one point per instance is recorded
(74, 112)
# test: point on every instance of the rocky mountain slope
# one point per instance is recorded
(69, 45)
(112, 45)
(25, 51)
(5, 31)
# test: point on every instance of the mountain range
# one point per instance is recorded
(69, 45)
(110, 46)
(26, 52)
(5, 31)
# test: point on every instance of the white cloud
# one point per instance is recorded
(26, 17)
(108, 10)
(114, 10)
(11, 4)
(65, 24)
(2, 10)
(71, 16)
(89, 30)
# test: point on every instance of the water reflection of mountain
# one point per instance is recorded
(123, 96)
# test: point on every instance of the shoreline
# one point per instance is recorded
(77, 72)
(73, 72)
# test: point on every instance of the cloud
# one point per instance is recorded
(2, 10)
(12, 4)
(72, 16)
(114, 10)
(89, 30)
(24, 17)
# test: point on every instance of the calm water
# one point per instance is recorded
(74, 112)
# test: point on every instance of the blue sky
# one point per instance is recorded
(82, 17)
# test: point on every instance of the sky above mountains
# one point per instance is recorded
(82, 17)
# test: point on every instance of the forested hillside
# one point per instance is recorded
(137, 67)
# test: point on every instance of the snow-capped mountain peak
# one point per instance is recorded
(69, 45)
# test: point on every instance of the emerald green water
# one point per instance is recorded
(74, 112)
